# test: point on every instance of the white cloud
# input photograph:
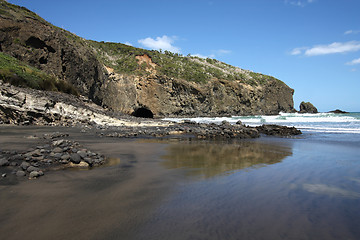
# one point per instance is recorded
(332, 48)
(127, 43)
(351, 32)
(298, 51)
(354, 62)
(164, 43)
(203, 56)
(199, 55)
(299, 3)
(336, 47)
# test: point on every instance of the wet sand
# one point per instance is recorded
(268, 188)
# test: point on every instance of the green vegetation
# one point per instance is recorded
(122, 59)
(19, 74)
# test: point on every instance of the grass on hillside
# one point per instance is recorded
(19, 74)
(121, 58)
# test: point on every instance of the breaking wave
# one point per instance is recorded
(318, 122)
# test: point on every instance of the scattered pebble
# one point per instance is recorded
(59, 153)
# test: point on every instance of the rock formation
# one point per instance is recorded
(151, 93)
(307, 107)
(338, 111)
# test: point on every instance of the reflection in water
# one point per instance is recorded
(209, 159)
(332, 191)
(111, 161)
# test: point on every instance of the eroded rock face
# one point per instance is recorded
(307, 107)
(54, 51)
(174, 97)
(70, 58)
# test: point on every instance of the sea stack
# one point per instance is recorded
(307, 107)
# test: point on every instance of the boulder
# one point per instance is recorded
(307, 107)
(24, 165)
(32, 169)
(82, 154)
(75, 158)
(4, 162)
(20, 173)
(34, 174)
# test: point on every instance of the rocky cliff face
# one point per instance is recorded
(29, 38)
(175, 97)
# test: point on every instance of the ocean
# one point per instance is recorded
(330, 126)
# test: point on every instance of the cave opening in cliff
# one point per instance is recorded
(143, 113)
(35, 42)
(38, 44)
(43, 60)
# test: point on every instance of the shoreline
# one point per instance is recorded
(148, 187)
(30, 108)
(31, 151)
(154, 184)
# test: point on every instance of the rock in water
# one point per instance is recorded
(338, 111)
(307, 107)
(276, 130)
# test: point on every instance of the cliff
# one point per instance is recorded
(138, 81)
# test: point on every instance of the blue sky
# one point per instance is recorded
(311, 45)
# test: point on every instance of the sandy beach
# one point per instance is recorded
(179, 188)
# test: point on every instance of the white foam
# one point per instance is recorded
(319, 122)
(330, 129)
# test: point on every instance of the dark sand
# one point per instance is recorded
(268, 188)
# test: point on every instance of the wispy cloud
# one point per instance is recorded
(203, 56)
(351, 32)
(299, 3)
(336, 47)
(223, 51)
(164, 43)
(215, 53)
(298, 51)
(128, 43)
(354, 62)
